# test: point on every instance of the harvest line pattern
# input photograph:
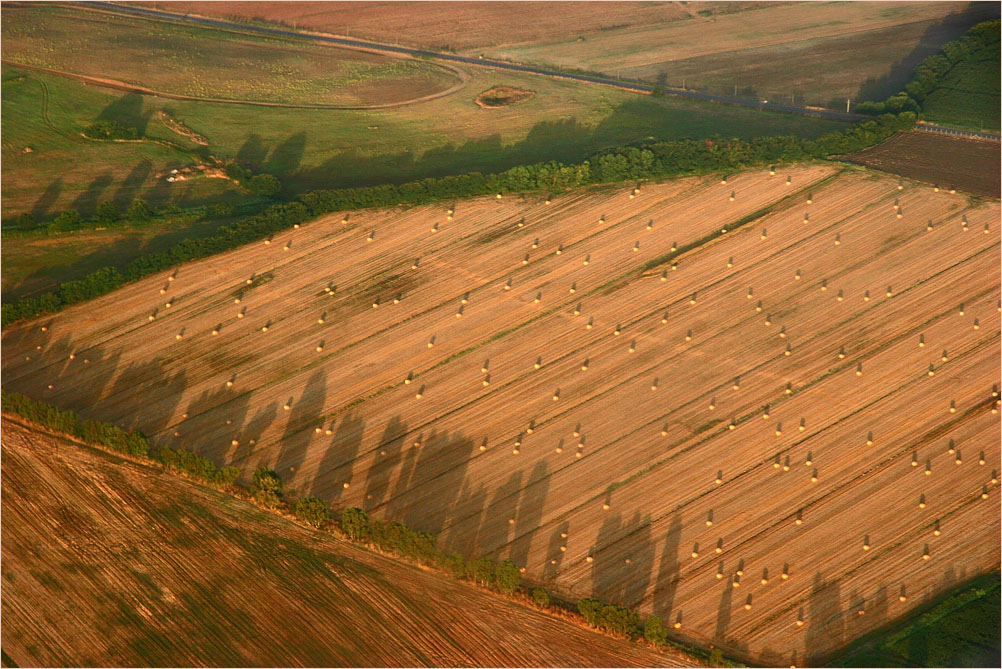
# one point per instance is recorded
(461, 371)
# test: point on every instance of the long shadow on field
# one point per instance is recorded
(238, 455)
(669, 569)
(215, 419)
(144, 396)
(554, 556)
(530, 513)
(128, 112)
(825, 619)
(429, 480)
(949, 28)
(128, 190)
(377, 483)
(40, 209)
(86, 202)
(252, 152)
(496, 530)
(299, 432)
(723, 614)
(336, 465)
(286, 157)
(463, 534)
(624, 558)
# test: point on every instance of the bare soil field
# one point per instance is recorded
(449, 25)
(944, 161)
(751, 433)
(107, 562)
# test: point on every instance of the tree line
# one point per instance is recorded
(266, 488)
(981, 42)
(652, 160)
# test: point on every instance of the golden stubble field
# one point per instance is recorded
(760, 455)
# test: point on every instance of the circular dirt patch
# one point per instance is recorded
(503, 96)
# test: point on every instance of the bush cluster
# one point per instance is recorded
(110, 130)
(609, 617)
(979, 43)
(649, 161)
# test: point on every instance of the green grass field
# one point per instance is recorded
(959, 631)
(187, 60)
(307, 149)
(968, 97)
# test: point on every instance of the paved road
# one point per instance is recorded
(501, 65)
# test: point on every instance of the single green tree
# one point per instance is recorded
(716, 658)
(139, 211)
(541, 597)
(654, 631)
(355, 523)
(507, 577)
(312, 510)
(267, 488)
(264, 184)
(107, 212)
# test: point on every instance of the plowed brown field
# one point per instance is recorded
(603, 480)
(111, 563)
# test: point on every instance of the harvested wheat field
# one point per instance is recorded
(112, 563)
(746, 432)
(943, 161)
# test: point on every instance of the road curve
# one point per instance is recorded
(501, 65)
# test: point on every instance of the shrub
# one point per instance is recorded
(591, 609)
(454, 564)
(264, 184)
(267, 488)
(312, 510)
(355, 523)
(716, 658)
(480, 570)
(66, 221)
(654, 631)
(110, 130)
(107, 212)
(26, 221)
(507, 577)
(541, 597)
(139, 211)
(619, 619)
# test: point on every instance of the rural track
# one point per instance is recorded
(513, 67)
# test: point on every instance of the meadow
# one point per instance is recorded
(737, 402)
(803, 53)
(199, 62)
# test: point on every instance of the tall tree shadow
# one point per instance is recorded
(128, 111)
(336, 465)
(44, 203)
(623, 566)
(299, 434)
(500, 512)
(377, 482)
(826, 623)
(669, 569)
(555, 556)
(252, 152)
(128, 189)
(286, 157)
(530, 513)
(86, 202)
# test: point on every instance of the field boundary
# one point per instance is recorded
(142, 90)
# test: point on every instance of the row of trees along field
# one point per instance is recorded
(632, 163)
(979, 43)
(354, 523)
